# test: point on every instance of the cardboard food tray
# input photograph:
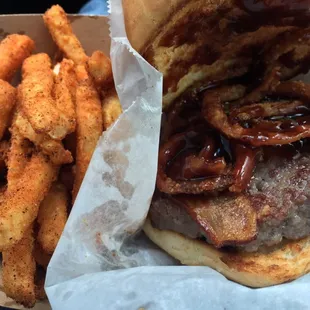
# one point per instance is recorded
(92, 31)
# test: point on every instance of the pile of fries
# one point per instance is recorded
(49, 127)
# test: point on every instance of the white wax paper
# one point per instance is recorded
(102, 261)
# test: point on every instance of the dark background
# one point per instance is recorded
(31, 6)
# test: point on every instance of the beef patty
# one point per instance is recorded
(279, 192)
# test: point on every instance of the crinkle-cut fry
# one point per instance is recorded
(52, 217)
(89, 124)
(100, 68)
(18, 156)
(61, 31)
(52, 148)
(7, 104)
(14, 49)
(37, 102)
(21, 204)
(18, 270)
(41, 257)
(64, 92)
(111, 108)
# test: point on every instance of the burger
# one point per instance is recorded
(233, 182)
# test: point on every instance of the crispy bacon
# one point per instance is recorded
(224, 220)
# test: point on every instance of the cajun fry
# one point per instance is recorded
(89, 124)
(54, 149)
(61, 31)
(7, 103)
(65, 87)
(111, 108)
(23, 199)
(19, 270)
(37, 102)
(18, 157)
(50, 125)
(14, 49)
(52, 217)
(100, 68)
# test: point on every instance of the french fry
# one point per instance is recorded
(60, 29)
(7, 104)
(40, 256)
(52, 217)
(18, 157)
(14, 49)
(37, 102)
(65, 88)
(100, 68)
(19, 270)
(89, 124)
(23, 198)
(111, 108)
(54, 149)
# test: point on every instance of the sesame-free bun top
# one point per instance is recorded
(193, 42)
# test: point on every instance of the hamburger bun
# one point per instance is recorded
(287, 262)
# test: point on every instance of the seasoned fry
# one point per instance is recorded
(37, 102)
(22, 200)
(14, 49)
(19, 270)
(61, 31)
(52, 217)
(100, 68)
(111, 108)
(40, 256)
(18, 157)
(89, 124)
(7, 103)
(54, 149)
(65, 88)
(50, 125)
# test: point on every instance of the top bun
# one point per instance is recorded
(194, 43)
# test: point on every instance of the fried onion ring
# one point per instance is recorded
(257, 136)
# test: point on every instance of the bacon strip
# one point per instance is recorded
(224, 220)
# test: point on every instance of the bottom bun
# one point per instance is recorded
(286, 263)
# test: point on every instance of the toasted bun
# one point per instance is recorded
(192, 42)
(290, 261)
